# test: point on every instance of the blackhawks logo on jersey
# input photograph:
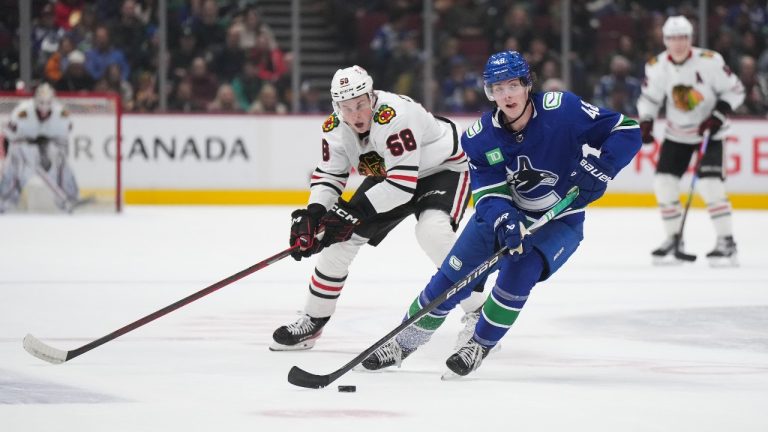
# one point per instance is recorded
(384, 115)
(686, 98)
(372, 165)
(330, 123)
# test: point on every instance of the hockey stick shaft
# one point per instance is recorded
(678, 253)
(302, 378)
(53, 355)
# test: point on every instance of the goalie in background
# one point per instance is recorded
(35, 175)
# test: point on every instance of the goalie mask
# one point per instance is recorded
(349, 83)
(44, 99)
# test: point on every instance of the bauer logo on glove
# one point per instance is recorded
(595, 171)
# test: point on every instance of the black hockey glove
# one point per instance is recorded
(339, 223)
(715, 121)
(646, 131)
(511, 232)
(591, 174)
(304, 224)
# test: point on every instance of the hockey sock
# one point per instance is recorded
(423, 328)
(504, 304)
(712, 190)
(666, 187)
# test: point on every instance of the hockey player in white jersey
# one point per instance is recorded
(412, 163)
(36, 176)
(700, 91)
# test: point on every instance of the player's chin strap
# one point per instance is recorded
(508, 124)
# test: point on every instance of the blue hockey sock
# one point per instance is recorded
(507, 298)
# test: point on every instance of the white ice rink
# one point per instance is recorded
(610, 343)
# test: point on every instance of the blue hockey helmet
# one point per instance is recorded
(504, 66)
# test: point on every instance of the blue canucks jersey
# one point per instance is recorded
(531, 168)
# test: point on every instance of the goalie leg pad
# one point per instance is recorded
(37, 197)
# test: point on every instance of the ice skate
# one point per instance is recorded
(469, 320)
(665, 253)
(724, 254)
(465, 360)
(300, 335)
(389, 354)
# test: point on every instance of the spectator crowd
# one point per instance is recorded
(224, 56)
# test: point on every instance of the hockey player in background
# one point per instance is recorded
(413, 165)
(524, 156)
(36, 175)
(700, 91)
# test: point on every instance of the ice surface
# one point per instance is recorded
(610, 343)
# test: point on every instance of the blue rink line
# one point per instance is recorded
(17, 389)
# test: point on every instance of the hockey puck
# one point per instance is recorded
(347, 388)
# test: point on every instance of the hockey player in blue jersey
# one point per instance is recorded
(524, 157)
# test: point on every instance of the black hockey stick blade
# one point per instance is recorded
(679, 254)
(53, 355)
(682, 256)
(301, 378)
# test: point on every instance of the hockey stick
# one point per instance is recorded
(52, 355)
(302, 378)
(679, 254)
(69, 205)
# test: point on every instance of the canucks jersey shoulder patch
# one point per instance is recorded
(475, 128)
(707, 54)
(23, 114)
(330, 123)
(652, 61)
(384, 115)
(552, 100)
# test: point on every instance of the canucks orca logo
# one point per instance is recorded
(532, 188)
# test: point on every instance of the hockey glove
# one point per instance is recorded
(511, 232)
(715, 121)
(339, 223)
(646, 131)
(303, 230)
(591, 174)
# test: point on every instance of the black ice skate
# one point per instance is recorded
(724, 254)
(666, 254)
(300, 335)
(389, 354)
(465, 360)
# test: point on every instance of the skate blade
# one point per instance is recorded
(450, 375)
(667, 261)
(723, 262)
(301, 346)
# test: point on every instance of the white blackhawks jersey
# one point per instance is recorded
(405, 143)
(692, 89)
(24, 125)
